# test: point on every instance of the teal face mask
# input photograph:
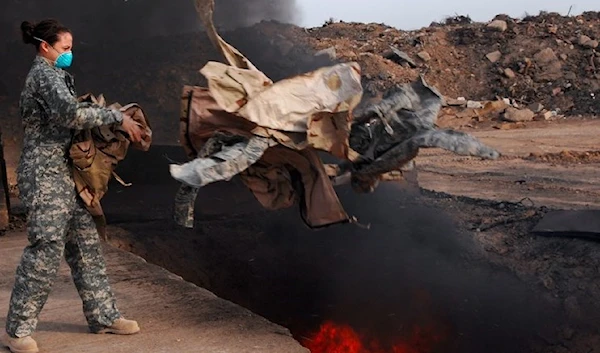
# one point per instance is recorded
(64, 60)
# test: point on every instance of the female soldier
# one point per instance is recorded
(57, 221)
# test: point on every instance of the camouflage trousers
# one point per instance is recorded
(57, 229)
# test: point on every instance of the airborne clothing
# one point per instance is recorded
(57, 222)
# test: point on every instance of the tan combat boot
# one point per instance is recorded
(20, 345)
(121, 327)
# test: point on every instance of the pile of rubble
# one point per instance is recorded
(548, 64)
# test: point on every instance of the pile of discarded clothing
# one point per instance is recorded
(269, 133)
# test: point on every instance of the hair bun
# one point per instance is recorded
(27, 32)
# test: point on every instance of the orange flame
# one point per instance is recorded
(333, 338)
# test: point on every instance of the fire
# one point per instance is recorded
(335, 338)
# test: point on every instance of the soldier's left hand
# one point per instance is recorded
(132, 128)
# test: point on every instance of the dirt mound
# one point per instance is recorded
(548, 59)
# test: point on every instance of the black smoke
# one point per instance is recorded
(144, 51)
(232, 14)
(111, 20)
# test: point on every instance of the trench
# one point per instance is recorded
(413, 279)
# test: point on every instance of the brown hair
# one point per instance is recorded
(47, 30)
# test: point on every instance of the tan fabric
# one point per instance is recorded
(205, 9)
(288, 105)
(272, 182)
(96, 152)
(303, 114)
(316, 107)
(231, 87)
(270, 178)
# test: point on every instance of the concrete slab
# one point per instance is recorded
(174, 315)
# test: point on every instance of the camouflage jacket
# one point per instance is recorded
(51, 115)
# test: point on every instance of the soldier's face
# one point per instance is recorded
(64, 44)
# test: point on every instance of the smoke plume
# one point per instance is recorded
(231, 14)
(127, 19)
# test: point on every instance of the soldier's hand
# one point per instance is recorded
(131, 128)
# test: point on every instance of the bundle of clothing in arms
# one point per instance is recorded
(96, 152)
(270, 134)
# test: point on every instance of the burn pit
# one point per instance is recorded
(415, 282)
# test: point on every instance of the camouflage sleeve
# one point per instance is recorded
(67, 111)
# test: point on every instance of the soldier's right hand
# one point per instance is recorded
(132, 128)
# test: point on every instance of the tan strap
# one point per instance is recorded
(118, 178)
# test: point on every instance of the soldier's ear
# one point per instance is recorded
(44, 47)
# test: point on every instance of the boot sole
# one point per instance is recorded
(117, 332)
(22, 351)
(5, 344)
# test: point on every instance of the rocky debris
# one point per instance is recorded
(518, 115)
(544, 115)
(509, 73)
(474, 105)
(536, 107)
(329, 52)
(459, 102)
(494, 109)
(401, 56)
(494, 56)
(423, 55)
(549, 64)
(498, 25)
(537, 54)
(587, 42)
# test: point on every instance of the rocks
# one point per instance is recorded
(399, 56)
(549, 65)
(498, 25)
(474, 105)
(493, 109)
(587, 42)
(494, 56)
(467, 113)
(330, 52)
(545, 56)
(536, 107)
(509, 73)
(544, 116)
(423, 55)
(456, 102)
(518, 115)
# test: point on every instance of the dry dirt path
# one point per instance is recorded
(174, 315)
(560, 175)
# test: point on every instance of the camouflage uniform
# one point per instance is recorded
(57, 221)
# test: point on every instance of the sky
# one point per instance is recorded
(408, 15)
